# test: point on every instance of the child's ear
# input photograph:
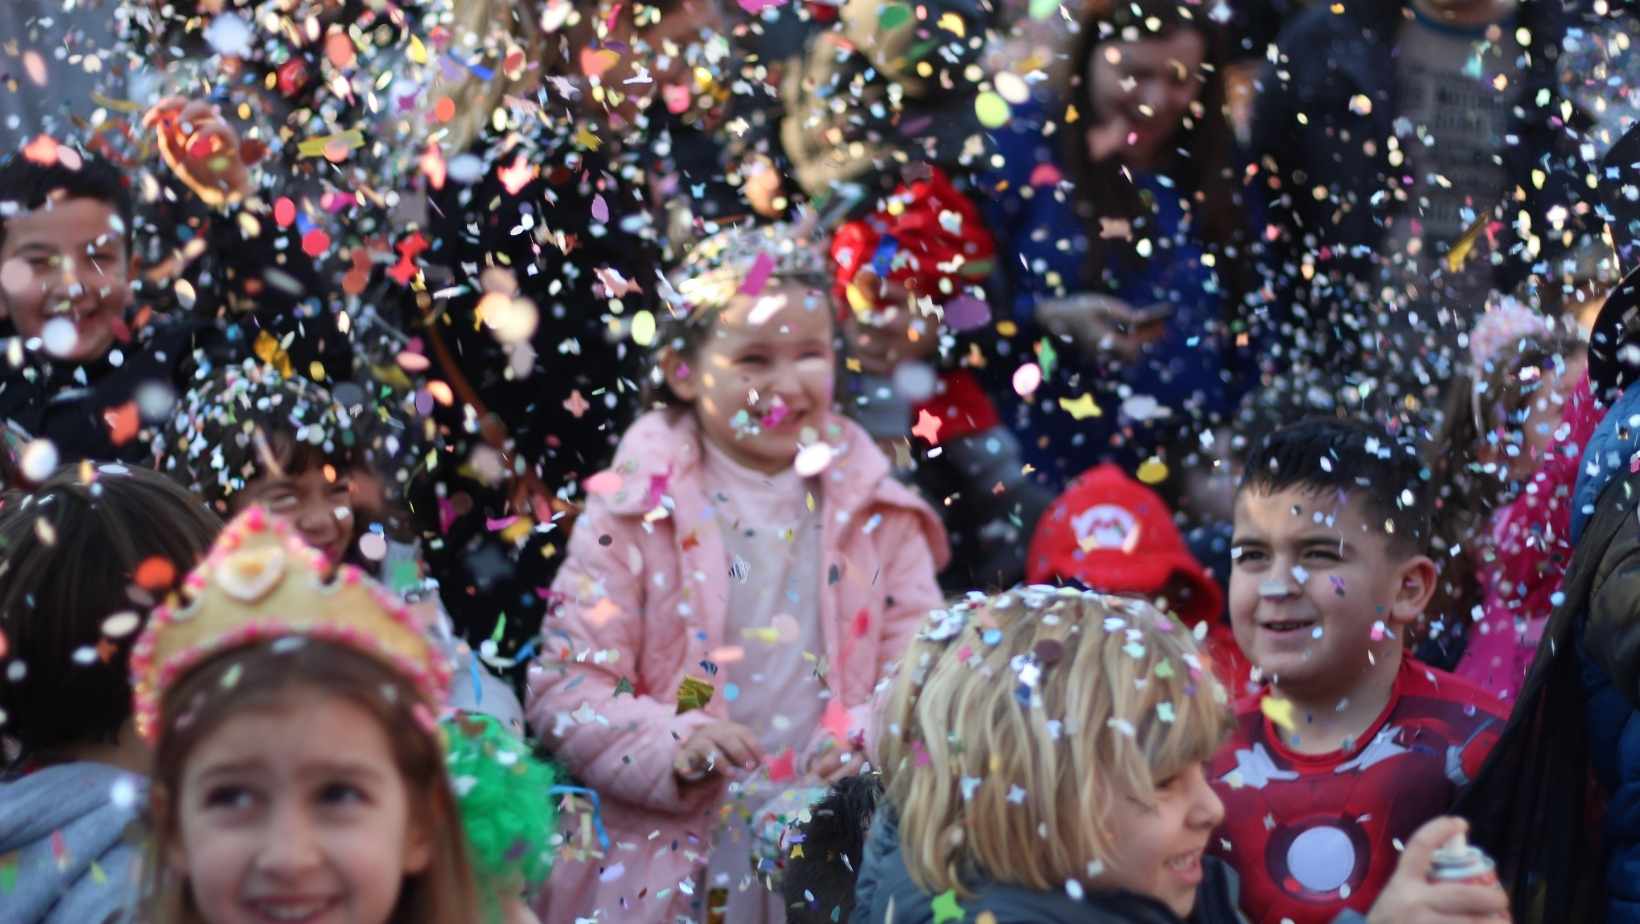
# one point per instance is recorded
(418, 851)
(682, 378)
(1414, 587)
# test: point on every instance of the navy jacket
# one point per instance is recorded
(1191, 373)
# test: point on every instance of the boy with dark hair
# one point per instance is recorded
(83, 367)
(1351, 745)
(76, 781)
(823, 860)
(72, 369)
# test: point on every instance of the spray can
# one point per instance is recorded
(1459, 861)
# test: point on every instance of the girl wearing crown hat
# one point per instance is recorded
(298, 770)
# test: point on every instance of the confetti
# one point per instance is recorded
(1278, 711)
(1081, 408)
(1027, 379)
(1152, 471)
(694, 693)
(155, 573)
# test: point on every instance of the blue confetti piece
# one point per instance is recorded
(731, 691)
(478, 688)
(991, 636)
(525, 653)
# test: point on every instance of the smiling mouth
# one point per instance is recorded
(291, 912)
(1188, 865)
(1288, 626)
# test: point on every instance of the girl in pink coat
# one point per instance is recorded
(740, 579)
(1516, 426)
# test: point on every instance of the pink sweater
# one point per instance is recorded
(1522, 559)
(645, 589)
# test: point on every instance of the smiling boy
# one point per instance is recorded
(1351, 745)
(71, 370)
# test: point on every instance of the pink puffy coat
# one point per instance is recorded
(644, 593)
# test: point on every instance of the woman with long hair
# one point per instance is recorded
(1122, 240)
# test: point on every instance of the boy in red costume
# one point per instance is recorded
(1114, 535)
(1351, 745)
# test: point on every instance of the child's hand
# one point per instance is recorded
(762, 187)
(836, 763)
(1100, 325)
(1410, 898)
(202, 149)
(703, 752)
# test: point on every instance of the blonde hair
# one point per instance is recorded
(486, 32)
(1016, 719)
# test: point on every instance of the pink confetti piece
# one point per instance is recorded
(1027, 379)
(495, 525)
(600, 209)
(604, 482)
(758, 276)
(783, 766)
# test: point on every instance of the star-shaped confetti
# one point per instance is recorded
(946, 907)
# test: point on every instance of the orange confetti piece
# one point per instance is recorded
(122, 422)
(444, 110)
(156, 573)
(42, 150)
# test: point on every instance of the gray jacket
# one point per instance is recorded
(71, 827)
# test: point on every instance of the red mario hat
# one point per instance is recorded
(1116, 535)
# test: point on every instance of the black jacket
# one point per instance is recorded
(67, 403)
(886, 884)
(1327, 60)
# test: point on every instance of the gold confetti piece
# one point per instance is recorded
(418, 51)
(1279, 711)
(1081, 408)
(693, 694)
(268, 350)
(1152, 471)
(352, 140)
(118, 105)
(1459, 253)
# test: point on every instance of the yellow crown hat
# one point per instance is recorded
(261, 582)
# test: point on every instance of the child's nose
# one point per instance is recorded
(1207, 809)
(318, 521)
(292, 846)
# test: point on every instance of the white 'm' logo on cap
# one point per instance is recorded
(1106, 526)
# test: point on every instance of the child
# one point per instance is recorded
(825, 852)
(1353, 744)
(66, 625)
(245, 435)
(732, 593)
(1114, 535)
(85, 368)
(1062, 732)
(1514, 428)
(298, 769)
(1043, 757)
(901, 274)
(1555, 804)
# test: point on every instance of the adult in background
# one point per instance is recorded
(1413, 156)
(1121, 244)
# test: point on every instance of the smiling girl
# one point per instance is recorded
(739, 580)
(298, 774)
